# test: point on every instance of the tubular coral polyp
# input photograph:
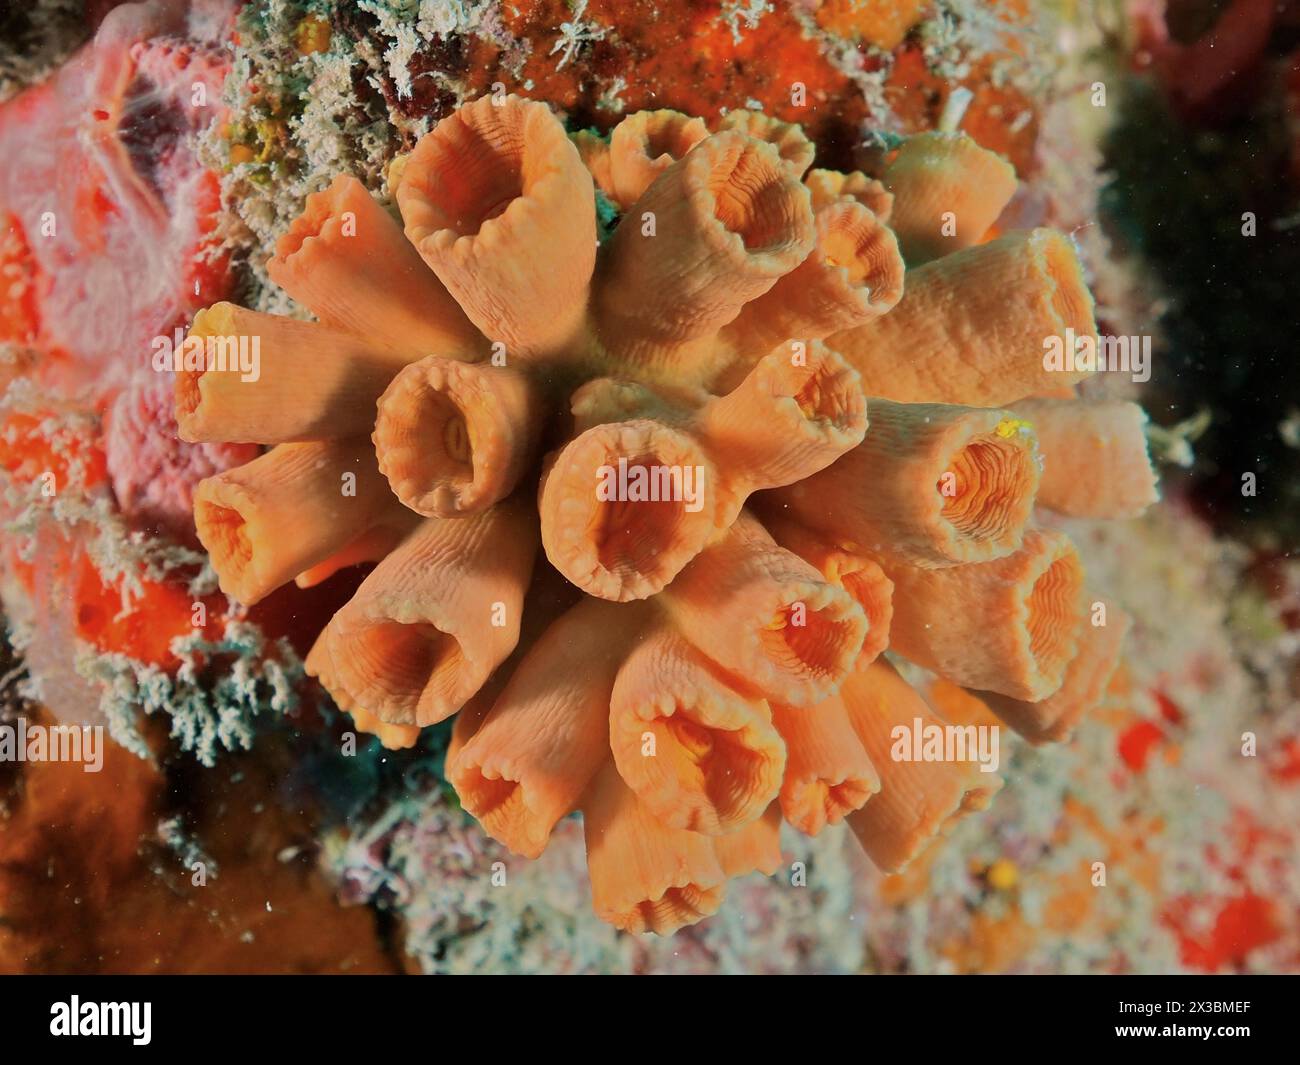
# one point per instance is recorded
(346, 260)
(1095, 461)
(854, 274)
(1020, 625)
(626, 548)
(918, 800)
(492, 187)
(733, 211)
(432, 621)
(1053, 719)
(547, 734)
(289, 510)
(699, 754)
(311, 381)
(971, 326)
(830, 774)
(642, 147)
(732, 533)
(948, 192)
(767, 616)
(455, 437)
(794, 414)
(646, 876)
(930, 485)
(858, 575)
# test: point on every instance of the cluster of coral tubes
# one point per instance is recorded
(760, 447)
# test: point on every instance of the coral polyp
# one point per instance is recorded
(699, 383)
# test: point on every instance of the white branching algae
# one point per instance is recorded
(210, 711)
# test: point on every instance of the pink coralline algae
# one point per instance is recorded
(153, 471)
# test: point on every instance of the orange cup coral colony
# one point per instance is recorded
(763, 452)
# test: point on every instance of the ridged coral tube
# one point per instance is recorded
(1009, 626)
(646, 876)
(832, 186)
(1053, 719)
(309, 382)
(830, 774)
(971, 327)
(714, 230)
(930, 485)
(1095, 461)
(700, 754)
(853, 275)
(547, 735)
(320, 664)
(346, 260)
(289, 510)
(788, 138)
(498, 203)
(795, 413)
(433, 620)
(918, 799)
(947, 191)
(767, 616)
(791, 416)
(454, 438)
(858, 575)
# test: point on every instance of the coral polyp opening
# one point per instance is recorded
(670, 139)
(427, 452)
(987, 498)
(836, 800)
(485, 179)
(814, 643)
(631, 535)
(733, 774)
(751, 197)
(850, 242)
(829, 399)
(306, 227)
(226, 535)
(409, 658)
(676, 907)
(479, 163)
(1053, 614)
(443, 429)
(624, 507)
(1071, 301)
(490, 797)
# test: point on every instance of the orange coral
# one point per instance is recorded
(738, 510)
